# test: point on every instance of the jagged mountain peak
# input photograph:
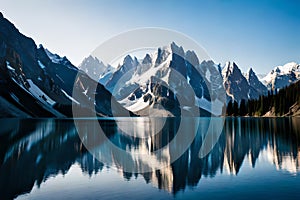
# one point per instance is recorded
(147, 59)
(230, 68)
(250, 74)
(90, 57)
(240, 87)
(208, 62)
(276, 69)
(93, 67)
(177, 49)
(129, 62)
(250, 71)
(90, 60)
(192, 58)
(127, 59)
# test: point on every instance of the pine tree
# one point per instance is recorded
(229, 108)
(279, 100)
(235, 108)
(243, 109)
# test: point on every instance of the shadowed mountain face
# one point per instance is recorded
(36, 82)
(31, 151)
(256, 87)
(240, 87)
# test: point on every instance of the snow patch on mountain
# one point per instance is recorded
(39, 94)
(41, 65)
(9, 67)
(69, 97)
(55, 58)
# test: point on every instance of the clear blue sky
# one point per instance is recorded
(259, 34)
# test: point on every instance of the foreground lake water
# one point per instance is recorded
(250, 158)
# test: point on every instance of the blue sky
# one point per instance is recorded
(259, 34)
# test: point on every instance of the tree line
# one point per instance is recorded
(278, 102)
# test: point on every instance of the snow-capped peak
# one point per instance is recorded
(282, 76)
(287, 68)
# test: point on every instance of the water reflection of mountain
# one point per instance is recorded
(34, 150)
(31, 151)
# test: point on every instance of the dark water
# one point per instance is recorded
(252, 158)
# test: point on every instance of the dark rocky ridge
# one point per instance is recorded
(21, 60)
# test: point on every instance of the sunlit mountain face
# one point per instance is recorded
(32, 152)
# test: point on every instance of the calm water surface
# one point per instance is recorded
(252, 158)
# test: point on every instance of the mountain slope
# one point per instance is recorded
(41, 83)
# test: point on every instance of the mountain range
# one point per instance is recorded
(34, 82)
(133, 80)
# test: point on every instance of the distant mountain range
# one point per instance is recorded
(35, 82)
